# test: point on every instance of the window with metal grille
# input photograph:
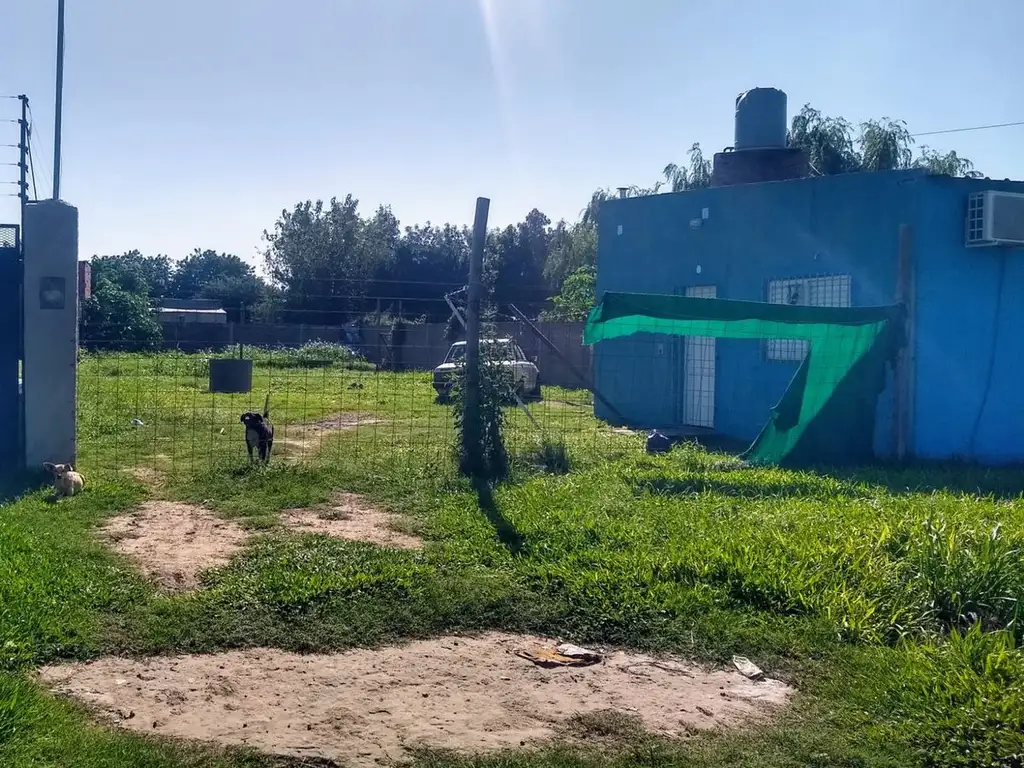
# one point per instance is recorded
(976, 218)
(823, 291)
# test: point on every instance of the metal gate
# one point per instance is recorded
(10, 348)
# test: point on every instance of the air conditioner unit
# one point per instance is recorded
(995, 218)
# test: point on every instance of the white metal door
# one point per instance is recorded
(699, 371)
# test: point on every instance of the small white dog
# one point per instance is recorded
(66, 481)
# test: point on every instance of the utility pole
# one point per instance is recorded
(59, 100)
(23, 156)
(23, 160)
(471, 418)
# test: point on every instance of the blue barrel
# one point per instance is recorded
(761, 119)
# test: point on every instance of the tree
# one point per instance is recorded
(828, 142)
(589, 214)
(571, 248)
(882, 145)
(270, 309)
(237, 295)
(576, 298)
(133, 272)
(948, 164)
(516, 262)
(204, 268)
(885, 145)
(695, 175)
(113, 318)
(427, 263)
(323, 257)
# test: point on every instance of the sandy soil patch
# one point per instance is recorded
(297, 440)
(352, 517)
(345, 421)
(368, 708)
(560, 404)
(173, 542)
(148, 476)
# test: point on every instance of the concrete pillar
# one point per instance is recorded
(51, 331)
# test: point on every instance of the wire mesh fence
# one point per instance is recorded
(147, 406)
(373, 393)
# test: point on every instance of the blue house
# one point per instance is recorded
(826, 241)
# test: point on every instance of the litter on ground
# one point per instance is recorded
(747, 668)
(565, 655)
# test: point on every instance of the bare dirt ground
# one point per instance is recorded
(174, 542)
(148, 476)
(352, 517)
(369, 708)
(294, 441)
(560, 404)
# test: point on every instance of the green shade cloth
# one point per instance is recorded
(827, 414)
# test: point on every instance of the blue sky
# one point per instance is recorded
(193, 123)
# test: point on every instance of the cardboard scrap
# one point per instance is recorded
(565, 655)
(747, 668)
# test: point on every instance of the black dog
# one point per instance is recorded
(259, 432)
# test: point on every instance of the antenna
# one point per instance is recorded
(58, 107)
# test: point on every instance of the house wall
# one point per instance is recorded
(969, 334)
(753, 233)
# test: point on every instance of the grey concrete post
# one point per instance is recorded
(51, 331)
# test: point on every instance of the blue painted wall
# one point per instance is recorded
(969, 350)
(753, 234)
(969, 347)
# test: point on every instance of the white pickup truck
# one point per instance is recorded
(524, 371)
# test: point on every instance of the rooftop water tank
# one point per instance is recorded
(761, 119)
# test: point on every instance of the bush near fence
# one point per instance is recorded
(419, 348)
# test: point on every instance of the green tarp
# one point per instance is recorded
(827, 414)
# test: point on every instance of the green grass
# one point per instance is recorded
(58, 586)
(889, 598)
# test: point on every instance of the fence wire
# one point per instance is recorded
(361, 393)
(151, 407)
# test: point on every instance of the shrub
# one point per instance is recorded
(312, 354)
(481, 447)
(551, 456)
(113, 318)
